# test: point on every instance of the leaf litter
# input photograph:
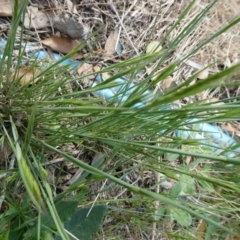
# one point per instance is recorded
(36, 19)
(111, 43)
(61, 44)
(26, 76)
(6, 7)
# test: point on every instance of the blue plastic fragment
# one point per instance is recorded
(212, 136)
(119, 48)
(39, 54)
(3, 43)
(138, 105)
(107, 93)
(43, 55)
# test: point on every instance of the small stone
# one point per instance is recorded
(166, 185)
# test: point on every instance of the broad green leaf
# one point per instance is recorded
(177, 188)
(211, 229)
(160, 213)
(65, 210)
(187, 183)
(16, 234)
(85, 222)
(183, 218)
(172, 156)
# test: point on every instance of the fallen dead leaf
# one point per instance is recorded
(153, 46)
(35, 18)
(27, 76)
(189, 159)
(61, 44)
(96, 68)
(5, 150)
(72, 8)
(201, 230)
(105, 76)
(111, 43)
(203, 74)
(6, 7)
(227, 63)
(78, 56)
(85, 68)
(168, 83)
(98, 51)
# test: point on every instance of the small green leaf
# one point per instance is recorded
(16, 232)
(172, 156)
(177, 188)
(5, 235)
(83, 225)
(160, 213)
(65, 210)
(183, 218)
(187, 183)
(211, 229)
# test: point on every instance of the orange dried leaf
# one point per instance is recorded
(98, 51)
(201, 230)
(61, 44)
(167, 83)
(27, 76)
(111, 43)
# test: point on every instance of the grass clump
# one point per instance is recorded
(125, 153)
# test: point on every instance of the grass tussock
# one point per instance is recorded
(121, 151)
